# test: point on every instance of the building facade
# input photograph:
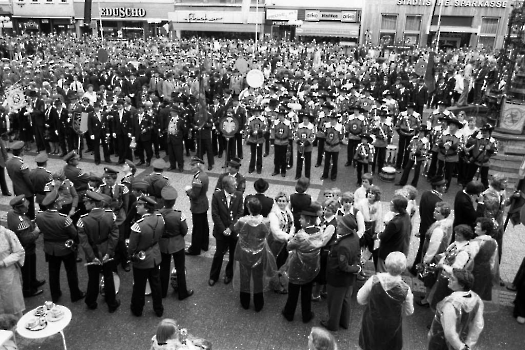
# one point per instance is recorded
(43, 16)
(464, 23)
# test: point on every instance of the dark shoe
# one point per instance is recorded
(189, 293)
(316, 299)
(171, 168)
(78, 260)
(275, 173)
(283, 174)
(259, 171)
(7, 194)
(265, 155)
(140, 163)
(324, 177)
(227, 280)
(159, 313)
(297, 178)
(114, 308)
(211, 282)
(317, 165)
(220, 155)
(38, 283)
(147, 164)
(333, 178)
(135, 313)
(251, 171)
(325, 325)
(210, 167)
(360, 277)
(309, 318)
(108, 161)
(189, 252)
(157, 156)
(81, 296)
(511, 287)
(346, 164)
(126, 267)
(289, 319)
(181, 170)
(92, 306)
(422, 304)
(33, 294)
(62, 155)
(97, 163)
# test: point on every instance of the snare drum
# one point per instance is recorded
(391, 152)
(388, 174)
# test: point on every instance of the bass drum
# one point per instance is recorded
(255, 78)
(116, 280)
(388, 174)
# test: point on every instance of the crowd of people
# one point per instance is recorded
(175, 97)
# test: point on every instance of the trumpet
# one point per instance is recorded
(70, 244)
(140, 255)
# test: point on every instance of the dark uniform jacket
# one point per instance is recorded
(24, 229)
(57, 228)
(225, 216)
(343, 260)
(175, 228)
(156, 182)
(98, 233)
(19, 174)
(79, 179)
(145, 236)
(396, 236)
(198, 193)
(266, 203)
(39, 178)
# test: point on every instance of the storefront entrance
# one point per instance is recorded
(451, 40)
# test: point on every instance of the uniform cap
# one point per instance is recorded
(309, 211)
(110, 170)
(50, 198)
(159, 164)
(368, 137)
(487, 127)
(169, 193)
(140, 185)
(235, 162)
(146, 200)
(18, 200)
(130, 164)
(95, 178)
(411, 105)
(94, 196)
(41, 157)
(17, 145)
(70, 156)
(438, 180)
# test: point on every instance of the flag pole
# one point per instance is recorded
(439, 25)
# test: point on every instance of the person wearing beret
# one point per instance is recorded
(260, 186)
(145, 253)
(227, 208)
(57, 229)
(3, 159)
(97, 131)
(40, 177)
(98, 235)
(19, 173)
(199, 205)
(172, 245)
(25, 230)
(233, 171)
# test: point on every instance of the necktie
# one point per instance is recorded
(111, 191)
(228, 200)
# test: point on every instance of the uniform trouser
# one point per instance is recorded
(70, 265)
(338, 302)
(145, 146)
(445, 169)
(222, 144)
(419, 253)
(175, 153)
(280, 159)
(478, 93)
(223, 244)
(266, 143)
(124, 152)
(402, 151)
(41, 144)
(235, 144)
(72, 140)
(155, 140)
(179, 259)
(200, 235)
(94, 281)
(293, 297)
(433, 165)
(406, 172)
(320, 150)
(29, 274)
(189, 144)
(379, 159)
(62, 138)
(96, 149)
(205, 147)
(330, 157)
(360, 168)
(3, 183)
(462, 170)
(289, 151)
(255, 156)
(121, 252)
(246, 274)
(138, 298)
(483, 173)
(31, 209)
(215, 142)
(307, 164)
(350, 148)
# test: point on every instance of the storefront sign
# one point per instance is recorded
(31, 25)
(349, 16)
(122, 12)
(330, 16)
(186, 16)
(281, 15)
(312, 15)
(456, 3)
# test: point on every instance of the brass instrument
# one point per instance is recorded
(425, 270)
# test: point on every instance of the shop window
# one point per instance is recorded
(387, 38)
(411, 39)
(413, 24)
(388, 22)
(489, 26)
(486, 42)
(455, 21)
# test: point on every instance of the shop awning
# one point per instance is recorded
(342, 30)
(41, 17)
(216, 27)
(454, 29)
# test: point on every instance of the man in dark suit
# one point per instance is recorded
(36, 112)
(19, 173)
(420, 96)
(240, 114)
(227, 208)
(58, 228)
(97, 131)
(60, 116)
(199, 208)
(261, 185)
(233, 171)
(142, 128)
(122, 132)
(39, 178)
(464, 211)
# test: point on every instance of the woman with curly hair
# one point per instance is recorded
(486, 262)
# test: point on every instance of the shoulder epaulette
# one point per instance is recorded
(62, 214)
(84, 215)
(135, 227)
(80, 223)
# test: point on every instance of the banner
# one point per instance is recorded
(87, 11)
(512, 118)
(430, 81)
(15, 98)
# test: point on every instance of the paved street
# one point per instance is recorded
(214, 313)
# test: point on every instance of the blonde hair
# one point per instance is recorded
(323, 339)
(167, 329)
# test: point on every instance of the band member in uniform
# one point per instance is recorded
(304, 137)
(60, 116)
(483, 149)
(66, 191)
(255, 128)
(418, 154)
(364, 155)
(434, 137)
(281, 132)
(39, 178)
(60, 239)
(25, 230)
(448, 144)
(321, 135)
(238, 113)
(233, 171)
(227, 208)
(176, 128)
(142, 129)
(98, 234)
(172, 244)
(354, 128)
(334, 137)
(199, 205)
(79, 179)
(407, 126)
(97, 131)
(122, 132)
(203, 133)
(18, 171)
(129, 169)
(384, 133)
(145, 254)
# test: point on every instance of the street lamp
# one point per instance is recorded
(3, 19)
